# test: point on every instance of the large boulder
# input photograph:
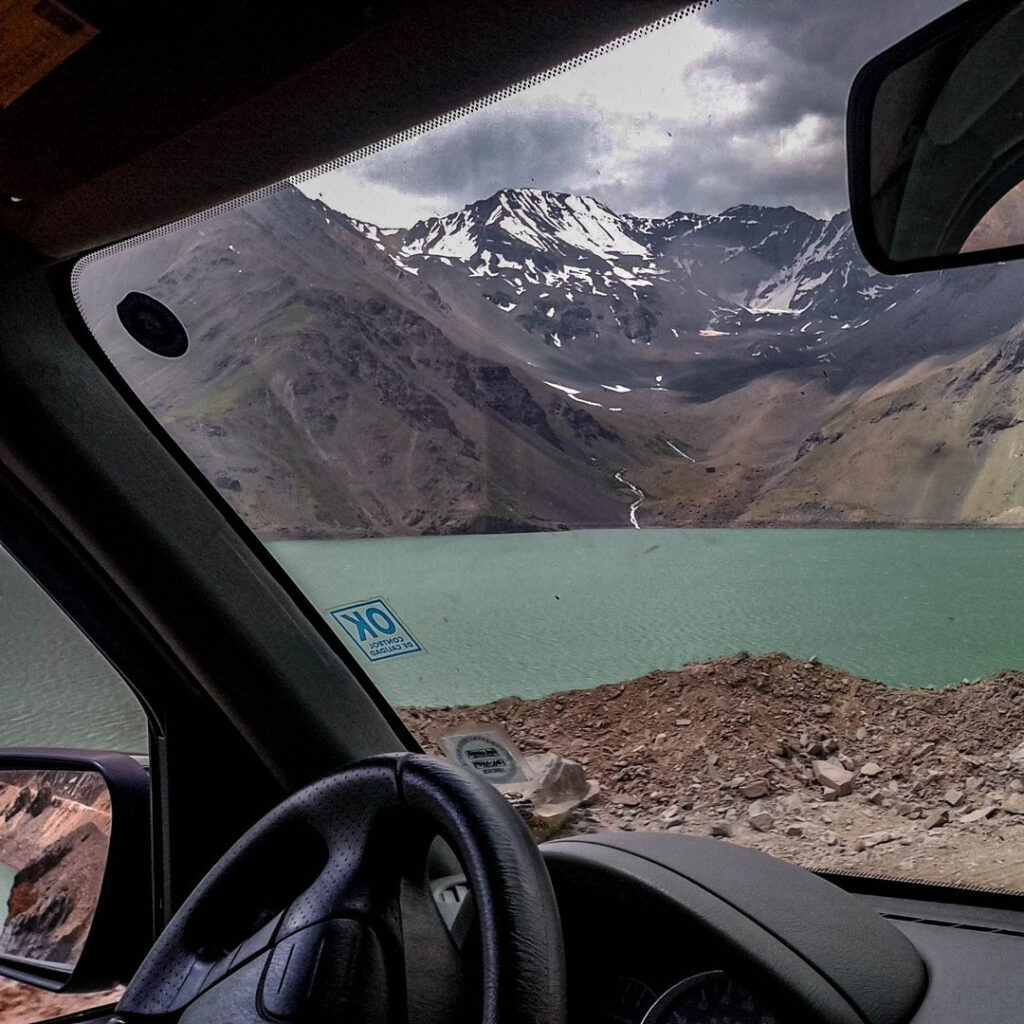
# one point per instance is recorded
(557, 787)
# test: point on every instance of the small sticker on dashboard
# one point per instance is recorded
(375, 629)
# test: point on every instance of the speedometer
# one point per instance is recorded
(631, 1001)
(708, 998)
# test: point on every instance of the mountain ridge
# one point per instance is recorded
(538, 359)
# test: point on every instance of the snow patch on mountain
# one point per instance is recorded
(546, 222)
(573, 275)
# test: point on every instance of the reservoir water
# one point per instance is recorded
(7, 874)
(529, 614)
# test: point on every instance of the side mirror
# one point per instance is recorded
(935, 143)
(75, 877)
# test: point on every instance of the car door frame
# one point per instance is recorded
(248, 692)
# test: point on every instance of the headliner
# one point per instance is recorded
(153, 120)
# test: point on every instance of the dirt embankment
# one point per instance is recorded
(798, 759)
(22, 1004)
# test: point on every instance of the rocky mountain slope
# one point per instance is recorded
(54, 830)
(322, 401)
(537, 361)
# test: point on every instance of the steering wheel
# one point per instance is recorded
(323, 911)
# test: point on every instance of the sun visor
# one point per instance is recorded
(37, 38)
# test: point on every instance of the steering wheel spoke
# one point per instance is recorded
(324, 911)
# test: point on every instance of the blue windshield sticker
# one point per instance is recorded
(376, 629)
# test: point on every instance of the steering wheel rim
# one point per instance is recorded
(355, 846)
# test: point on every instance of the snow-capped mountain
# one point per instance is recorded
(741, 265)
(570, 287)
(539, 360)
(557, 224)
(566, 285)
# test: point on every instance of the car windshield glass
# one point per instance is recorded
(585, 425)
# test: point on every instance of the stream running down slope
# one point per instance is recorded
(639, 498)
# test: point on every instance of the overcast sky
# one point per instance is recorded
(742, 102)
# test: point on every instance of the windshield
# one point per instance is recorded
(572, 414)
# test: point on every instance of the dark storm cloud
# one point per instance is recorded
(804, 55)
(797, 60)
(836, 35)
(719, 173)
(495, 150)
(793, 60)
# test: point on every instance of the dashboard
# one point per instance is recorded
(708, 997)
(633, 959)
(682, 930)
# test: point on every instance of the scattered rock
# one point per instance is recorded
(954, 797)
(873, 839)
(1014, 803)
(979, 815)
(936, 818)
(624, 799)
(754, 790)
(723, 828)
(871, 769)
(671, 816)
(759, 817)
(833, 776)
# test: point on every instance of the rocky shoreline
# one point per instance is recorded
(795, 758)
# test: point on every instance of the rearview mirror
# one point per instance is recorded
(935, 143)
(75, 906)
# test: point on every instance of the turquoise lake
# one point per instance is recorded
(529, 614)
(7, 874)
